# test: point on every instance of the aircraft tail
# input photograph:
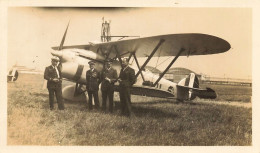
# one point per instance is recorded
(188, 89)
(13, 75)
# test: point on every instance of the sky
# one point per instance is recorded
(32, 31)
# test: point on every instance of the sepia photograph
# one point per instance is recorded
(129, 76)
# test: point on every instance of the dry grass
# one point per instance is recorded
(232, 92)
(156, 121)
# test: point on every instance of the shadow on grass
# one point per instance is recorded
(167, 102)
(39, 94)
(148, 111)
(153, 102)
(74, 102)
(152, 112)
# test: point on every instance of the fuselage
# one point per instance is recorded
(75, 65)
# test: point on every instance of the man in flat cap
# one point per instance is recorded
(126, 81)
(93, 80)
(108, 78)
(53, 74)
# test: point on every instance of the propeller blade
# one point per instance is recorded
(64, 36)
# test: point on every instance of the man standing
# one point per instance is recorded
(126, 80)
(52, 73)
(108, 77)
(93, 80)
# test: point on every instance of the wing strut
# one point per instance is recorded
(162, 74)
(118, 56)
(149, 57)
(137, 63)
(114, 48)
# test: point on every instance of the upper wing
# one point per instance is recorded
(192, 43)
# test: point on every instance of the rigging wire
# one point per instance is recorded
(163, 61)
(157, 61)
(158, 57)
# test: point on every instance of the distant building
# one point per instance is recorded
(173, 74)
(227, 81)
(24, 69)
(153, 70)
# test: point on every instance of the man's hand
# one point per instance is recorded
(55, 80)
(108, 79)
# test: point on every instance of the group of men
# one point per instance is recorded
(107, 78)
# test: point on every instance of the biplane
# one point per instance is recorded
(74, 60)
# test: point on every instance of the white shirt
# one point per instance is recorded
(55, 67)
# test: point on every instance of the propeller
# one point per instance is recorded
(64, 36)
(58, 53)
(61, 46)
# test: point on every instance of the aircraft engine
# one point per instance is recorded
(76, 55)
(184, 91)
(75, 63)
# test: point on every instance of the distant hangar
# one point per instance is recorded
(178, 73)
(174, 74)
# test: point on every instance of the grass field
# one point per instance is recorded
(156, 121)
(232, 93)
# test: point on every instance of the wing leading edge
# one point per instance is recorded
(192, 43)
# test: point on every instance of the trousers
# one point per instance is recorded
(96, 100)
(110, 95)
(125, 99)
(58, 94)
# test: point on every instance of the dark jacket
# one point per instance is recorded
(93, 80)
(50, 74)
(127, 76)
(112, 75)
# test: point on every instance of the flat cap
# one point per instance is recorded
(91, 62)
(55, 58)
(125, 59)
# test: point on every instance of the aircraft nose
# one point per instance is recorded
(56, 53)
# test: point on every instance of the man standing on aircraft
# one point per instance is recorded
(105, 31)
(126, 80)
(52, 73)
(108, 77)
(93, 80)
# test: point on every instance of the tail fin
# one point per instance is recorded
(185, 86)
(13, 75)
(188, 89)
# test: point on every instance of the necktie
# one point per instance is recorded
(125, 68)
